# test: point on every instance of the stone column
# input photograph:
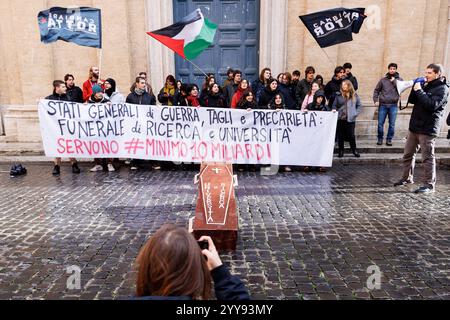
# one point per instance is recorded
(159, 14)
(273, 35)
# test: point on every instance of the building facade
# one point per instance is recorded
(251, 33)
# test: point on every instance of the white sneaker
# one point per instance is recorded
(96, 168)
(287, 169)
(111, 167)
(133, 167)
(128, 161)
(156, 167)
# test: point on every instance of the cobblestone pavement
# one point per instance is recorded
(302, 235)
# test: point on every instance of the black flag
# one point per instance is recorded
(334, 26)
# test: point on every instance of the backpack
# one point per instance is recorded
(17, 170)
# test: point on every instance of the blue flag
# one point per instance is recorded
(82, 26)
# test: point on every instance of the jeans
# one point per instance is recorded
(384, 111)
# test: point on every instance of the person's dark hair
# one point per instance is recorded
(392, 65)
(207, 80)
(338, 70)
(190, 88)
(138, 79)
(236, 72)
(319, 78)
(67, 76)
(171, 264)
(261, 74)
(347, 65)
(289, 77)
(309, 69)
(314, 82)
(246, 93)
(142, 73)
(437, 68)
(211, 86)
(271, 80)
(230, 71)
(184, 88)
(296, 73)
(57, 83)
(272, 103)
(171, 78)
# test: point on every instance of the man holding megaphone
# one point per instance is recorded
(429, 99)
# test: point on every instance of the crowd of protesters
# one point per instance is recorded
(286, 91)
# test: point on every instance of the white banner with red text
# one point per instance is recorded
(187, 134)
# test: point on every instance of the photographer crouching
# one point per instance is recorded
(429, 100)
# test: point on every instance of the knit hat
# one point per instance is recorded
(96, 89)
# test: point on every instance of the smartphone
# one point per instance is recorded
(203, 244)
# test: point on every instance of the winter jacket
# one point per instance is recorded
(104, 99)
(143, 99)
(349, 107)
(237, 97)
(267, 97)
(226, 286)
(314, 106)
(116, 98)
(258, 88)
(332, 89)
(308, 99)
(179, 100)
(166, 96)
(247, 105)
(303, 88)
(353, 80)
(290, 103)
(228, 93)
(214, 101)
(59, 97)
(386, 92)
(429, 105)
(75, 94)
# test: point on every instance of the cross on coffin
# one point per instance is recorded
(216, 214)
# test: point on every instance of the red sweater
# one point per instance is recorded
(87, 89)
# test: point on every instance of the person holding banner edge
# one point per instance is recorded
(60, 94)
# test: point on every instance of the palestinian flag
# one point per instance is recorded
(188, 37)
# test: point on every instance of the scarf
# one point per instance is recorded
(139, 92)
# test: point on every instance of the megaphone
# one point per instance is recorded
(402, 86)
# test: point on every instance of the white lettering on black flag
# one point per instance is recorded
(334, 26)
(187, 134)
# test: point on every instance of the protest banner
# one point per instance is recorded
(187, 134)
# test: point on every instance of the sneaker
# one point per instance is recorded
(75, 168)
(134, 167)
(322, 169)
(96, 168)
(287, 169)
(56, 170)
(425, 189)
(389, 143)
(128, 161)
(156, 167)
(380, 142)
(111, 167)
(402, 183)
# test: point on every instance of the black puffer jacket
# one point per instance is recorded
(143, 99)
(267, 97)
(332, 89)
(429, 105)
(214, 101)
(290, 103)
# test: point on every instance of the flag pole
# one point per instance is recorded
(329, 59)
(100, 61)
(196, 67)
